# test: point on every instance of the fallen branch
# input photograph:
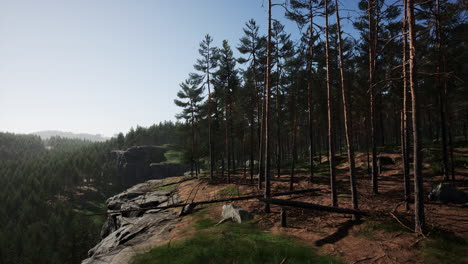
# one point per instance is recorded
(401, 223)
(203, 202)
(312, 206)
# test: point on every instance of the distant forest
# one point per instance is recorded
(398, 86)
(47, 187)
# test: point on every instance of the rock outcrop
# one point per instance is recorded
(135, 230)
(141, 163)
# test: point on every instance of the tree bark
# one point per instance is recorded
(261, 138)
(210, 143)
(404, 117)
(347, 118)
(278, 117)
(331, 145)
(417, 164)
(267, 109)
(309, 91)
(372, 61)
(294, 142)
(442, 94)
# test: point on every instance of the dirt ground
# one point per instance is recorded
(336, 234)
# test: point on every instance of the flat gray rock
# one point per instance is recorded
(235, 213)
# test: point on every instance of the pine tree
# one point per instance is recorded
(191, 94)
(206, 66)
(253, 45)
(227, 83)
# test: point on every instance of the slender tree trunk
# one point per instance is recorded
(210, 143)
(404, 117)
(294, 146)
(267, 109)
(251, 165)
(262, 145)
(372, 41)
(347, 118)
(418, 177)
(231, 140)
(252, 147)
(452, 164)
(192, 158)
(442, 95)
(278, 118)
(309, 92)
(227, 139)
(331, 145)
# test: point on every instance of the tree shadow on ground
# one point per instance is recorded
(341, 233)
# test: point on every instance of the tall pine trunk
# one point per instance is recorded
(227, 139)
(331, 145)
(210, 143)
(267, 109)
(278, 117)
(442, 93)
(347, 117)
(419, 218)
(261, 143)
(372, 61)
(404, 116)
(252, 147)
(294, 140)
(309, 92)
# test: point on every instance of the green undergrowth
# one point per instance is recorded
(444, 247)
(231, 243)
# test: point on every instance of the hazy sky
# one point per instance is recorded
(103, 66)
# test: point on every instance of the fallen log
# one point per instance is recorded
(312, 206)
(239, 198)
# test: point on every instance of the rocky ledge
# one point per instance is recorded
(131, 227)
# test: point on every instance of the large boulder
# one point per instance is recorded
(235, 213)
(447, 193)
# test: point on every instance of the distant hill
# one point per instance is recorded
(51, 133)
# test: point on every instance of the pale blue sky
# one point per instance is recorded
(103, 66)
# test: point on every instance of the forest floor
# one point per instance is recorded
(382, 237)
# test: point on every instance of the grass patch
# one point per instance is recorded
(370, 226)
(445, 247)
(204, 223)
(229, 191)
(232, 243)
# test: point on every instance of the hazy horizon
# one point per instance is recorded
(102, 67)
